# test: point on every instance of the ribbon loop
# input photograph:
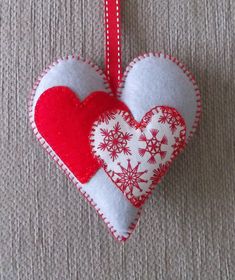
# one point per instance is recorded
(113, 43)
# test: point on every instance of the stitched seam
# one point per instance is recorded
(57, 61)
(59, 162)
(185, 71)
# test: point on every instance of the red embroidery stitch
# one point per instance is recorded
(129, 178)
(106, 117)
(159, 173)
(153, 146)
(171, 117)
(115, 141)
(179, 143)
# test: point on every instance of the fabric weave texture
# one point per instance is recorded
(187, 229)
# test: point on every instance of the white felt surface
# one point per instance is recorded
(110, 200)
(155, 81)
(83, 79)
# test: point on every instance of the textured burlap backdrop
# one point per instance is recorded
(187, 230)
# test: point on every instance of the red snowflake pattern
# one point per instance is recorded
(159, 173)
(171, 117)
(153, 146)
(115, 141)
(129, 178)
(179, 143)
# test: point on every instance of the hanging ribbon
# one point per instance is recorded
(113, 43)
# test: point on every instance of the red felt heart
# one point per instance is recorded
(65, 123)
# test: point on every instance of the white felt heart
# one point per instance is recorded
(141, 92)
(135, 154)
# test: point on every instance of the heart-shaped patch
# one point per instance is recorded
(65, 123)
(151, 81)
(136, 155)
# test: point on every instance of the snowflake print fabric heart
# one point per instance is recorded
(115, 135)
(136, 155)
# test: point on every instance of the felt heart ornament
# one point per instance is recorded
(65, 123)
(148, 113)
(136, 155)
(149, 81)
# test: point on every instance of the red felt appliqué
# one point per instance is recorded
(65, 123)
(137, 155)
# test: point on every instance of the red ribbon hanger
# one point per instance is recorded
(113, 68)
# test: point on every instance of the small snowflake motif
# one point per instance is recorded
(115, 141)
(153, 146)
(129, 178)
(179, 143)
(159, 173)
(171, 117)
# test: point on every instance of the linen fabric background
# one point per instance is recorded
(187, 228)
